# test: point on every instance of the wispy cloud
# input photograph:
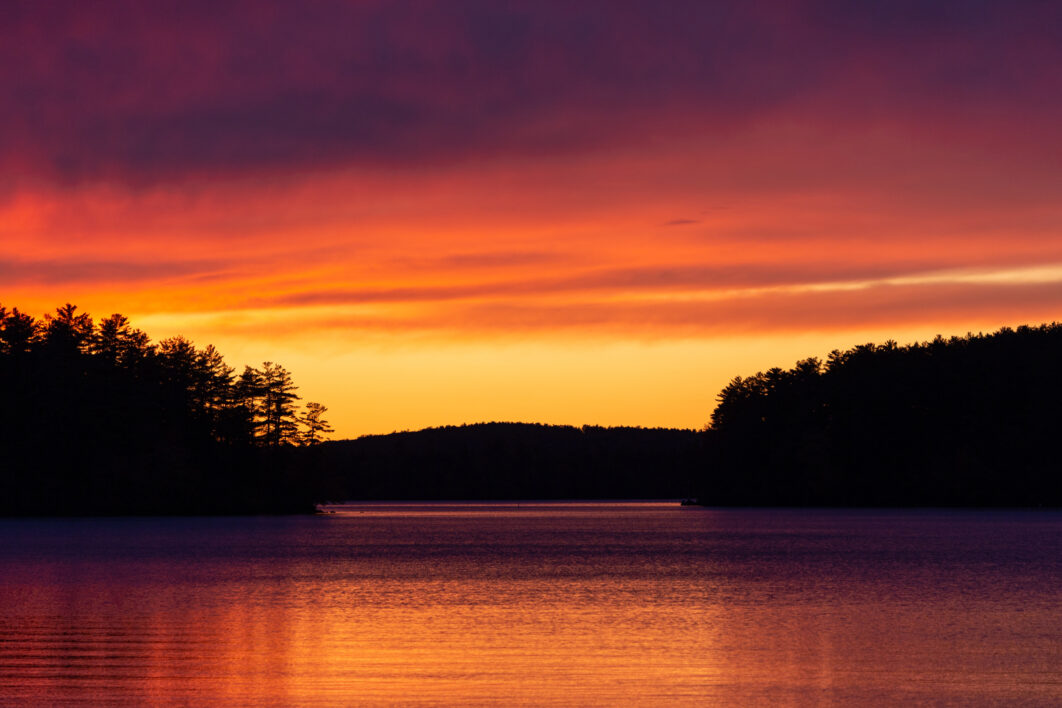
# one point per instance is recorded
(485, 260)
(672, 282)
(946, 306)
(60, 272)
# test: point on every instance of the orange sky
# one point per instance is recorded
(429, 227)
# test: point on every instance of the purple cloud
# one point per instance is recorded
(140, 92)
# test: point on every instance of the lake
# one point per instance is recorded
(538, 604)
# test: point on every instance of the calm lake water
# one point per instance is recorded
(539, 604)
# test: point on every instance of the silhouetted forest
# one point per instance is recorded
(965, 421)
(96, 419)
(517, 461)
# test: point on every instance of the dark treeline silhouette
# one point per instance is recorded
(96, 419)
(518, 461)
(965, 421)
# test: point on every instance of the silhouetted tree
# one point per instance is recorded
(117, 342)
(19, 332)
(67, 332)
(212, 390)
(316, 426)
(280, 423)
(249, 393)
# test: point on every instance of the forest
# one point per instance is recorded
(97, 419)
(965, 421)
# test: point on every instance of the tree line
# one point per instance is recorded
(96, 418)
(962, 421)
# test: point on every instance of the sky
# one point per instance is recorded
(592, 212)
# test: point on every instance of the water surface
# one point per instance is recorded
(563, 604)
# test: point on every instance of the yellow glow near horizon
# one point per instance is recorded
(379, 385)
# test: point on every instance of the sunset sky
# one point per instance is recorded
(569, 212)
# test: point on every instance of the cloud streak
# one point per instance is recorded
(60, 272)
(673, 281)
(948, 307)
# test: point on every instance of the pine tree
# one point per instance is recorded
(249, 392)
(19, 332)
(316, 426)
(119, 343)
(68, 333)
(278, 405)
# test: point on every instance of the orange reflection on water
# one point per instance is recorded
(577, 604)
(445, 641)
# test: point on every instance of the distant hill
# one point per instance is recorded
(517, 461)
